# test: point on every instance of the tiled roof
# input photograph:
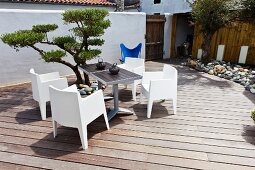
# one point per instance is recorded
(75, 2)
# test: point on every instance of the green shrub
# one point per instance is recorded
(253, 115)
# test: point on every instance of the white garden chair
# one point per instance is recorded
(158, 86)
(69, 109)
(40, 87)
(135, 65)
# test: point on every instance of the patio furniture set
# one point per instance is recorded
(71, 110)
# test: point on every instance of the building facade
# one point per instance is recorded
(165, 6)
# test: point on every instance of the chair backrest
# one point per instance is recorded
(127, 52)
(165, 87)
(134, 62)
(35, 84)
(65, 106)
(169, 72)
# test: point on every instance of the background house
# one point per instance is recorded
(177, 27)
(165, 6)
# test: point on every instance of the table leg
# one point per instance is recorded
(99, 85)
(116, 96)
(105, 97)
(115, 110)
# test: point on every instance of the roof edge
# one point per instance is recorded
(58, 3)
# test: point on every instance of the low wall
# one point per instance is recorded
(128, 28)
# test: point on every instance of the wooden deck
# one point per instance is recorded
(211, 130)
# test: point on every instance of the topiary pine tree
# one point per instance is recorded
(210, 16)
(90, 24)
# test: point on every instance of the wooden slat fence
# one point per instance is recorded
(233, 37)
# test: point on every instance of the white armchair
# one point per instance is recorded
(135, 65)
(40, 87)
(158, 86)
(69, 109)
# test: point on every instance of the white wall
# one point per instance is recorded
(166, 6)
(14, 66)
(167, 35)
(128, 28)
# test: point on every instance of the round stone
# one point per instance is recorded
(210, 72)
(252, 90)
(88, 89)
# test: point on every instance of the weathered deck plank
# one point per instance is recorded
(5, 165)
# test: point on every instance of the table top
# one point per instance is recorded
(105, 77)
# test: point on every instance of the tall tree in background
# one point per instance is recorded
(210, 16)
(88, 26)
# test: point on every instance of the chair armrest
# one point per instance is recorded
(60, 83)
(163, 83)
(147, 76)
(49, 76)
(162, 88)
(139, 70)
(92, 106)
(72, 88)
(98, 95)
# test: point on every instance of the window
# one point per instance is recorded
(157, 1)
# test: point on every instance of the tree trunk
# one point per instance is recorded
(206, 52)
(120, 5)
(86, 78)
(79, 79)
(78, 75)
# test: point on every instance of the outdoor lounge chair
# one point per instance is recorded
(126, 52)
(159, 86)
(135, 65)
(40, 87)
(69, 109)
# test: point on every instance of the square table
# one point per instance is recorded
(105, 77)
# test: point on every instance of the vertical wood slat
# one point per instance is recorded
(233, 37)
(173, 36)
(155, 36)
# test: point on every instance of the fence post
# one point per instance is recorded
(220, 52)
(243, 54)
(199, 53)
